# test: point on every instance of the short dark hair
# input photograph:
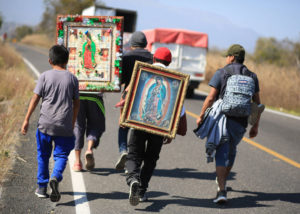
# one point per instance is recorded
(166, 63)
(58, 55)
(239, 59)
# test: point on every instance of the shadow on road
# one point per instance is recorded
(105, 171)
(254, 199)
(188, 173)
(249, 200)
(94, 196)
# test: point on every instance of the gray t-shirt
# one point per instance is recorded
(57, 89)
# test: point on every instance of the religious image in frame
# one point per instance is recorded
(154, 100)
(95, 47)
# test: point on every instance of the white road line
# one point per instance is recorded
(282, 114)
(79, 191)
(31, 66)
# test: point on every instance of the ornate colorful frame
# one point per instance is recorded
(154, 100)
(96, 72)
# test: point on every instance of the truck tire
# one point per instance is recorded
(189, 92)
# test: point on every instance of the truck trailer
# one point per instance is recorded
(188, 50)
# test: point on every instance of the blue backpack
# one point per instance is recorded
(238, 94)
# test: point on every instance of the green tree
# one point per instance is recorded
(23, 31)
(266, 50)
(64, 7)
(296, 53)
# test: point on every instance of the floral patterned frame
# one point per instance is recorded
(98, 72)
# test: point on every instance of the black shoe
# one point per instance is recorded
(134, 193)
(221, 197)
(41, 192)
(142, 195)
(55, 195)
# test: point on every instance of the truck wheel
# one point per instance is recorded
(190, 92)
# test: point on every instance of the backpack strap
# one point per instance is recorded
(227, 72)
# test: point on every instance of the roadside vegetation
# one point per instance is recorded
(39, 40)
(16, 85)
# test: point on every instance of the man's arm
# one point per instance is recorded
(254, 129)
(32, 105)
(208, 102)
(76, 105)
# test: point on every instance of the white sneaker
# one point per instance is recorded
(221, 197)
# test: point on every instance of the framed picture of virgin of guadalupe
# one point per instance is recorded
(154, 99)
(95, 50)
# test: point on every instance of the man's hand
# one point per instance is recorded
(253, 131)
(167, 140)
(199, 120)
(24, 127)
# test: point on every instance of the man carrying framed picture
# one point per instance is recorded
(144, 147)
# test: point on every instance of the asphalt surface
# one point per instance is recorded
(182, 183)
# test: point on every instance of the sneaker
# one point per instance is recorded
(89, 161)
(41, 192)
(54, 195)
(221, 197)
(134, 193)
(120, 165)
(142, 196)
(218, 185)
(126, 171)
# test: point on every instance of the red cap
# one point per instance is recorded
(163, 53)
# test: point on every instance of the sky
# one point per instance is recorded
(224, 21)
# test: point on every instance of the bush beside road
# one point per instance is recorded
(16, 85)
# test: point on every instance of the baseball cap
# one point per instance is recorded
(163, 53)
(235, 50)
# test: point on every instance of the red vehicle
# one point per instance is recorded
(188, 49)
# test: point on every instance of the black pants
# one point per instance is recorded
(143, 147)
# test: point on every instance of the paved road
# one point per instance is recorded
(265, 178)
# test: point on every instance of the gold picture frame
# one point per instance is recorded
(154, 99)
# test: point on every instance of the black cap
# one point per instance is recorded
(138, 39)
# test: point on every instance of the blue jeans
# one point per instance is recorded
(122, 139)
(226, 152)
(62, 149)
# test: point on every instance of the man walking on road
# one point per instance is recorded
(236, 125)
(144, 147)
(138, 42)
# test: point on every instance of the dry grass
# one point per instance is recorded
(279, 87)
(40, 40)
(16, 85)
